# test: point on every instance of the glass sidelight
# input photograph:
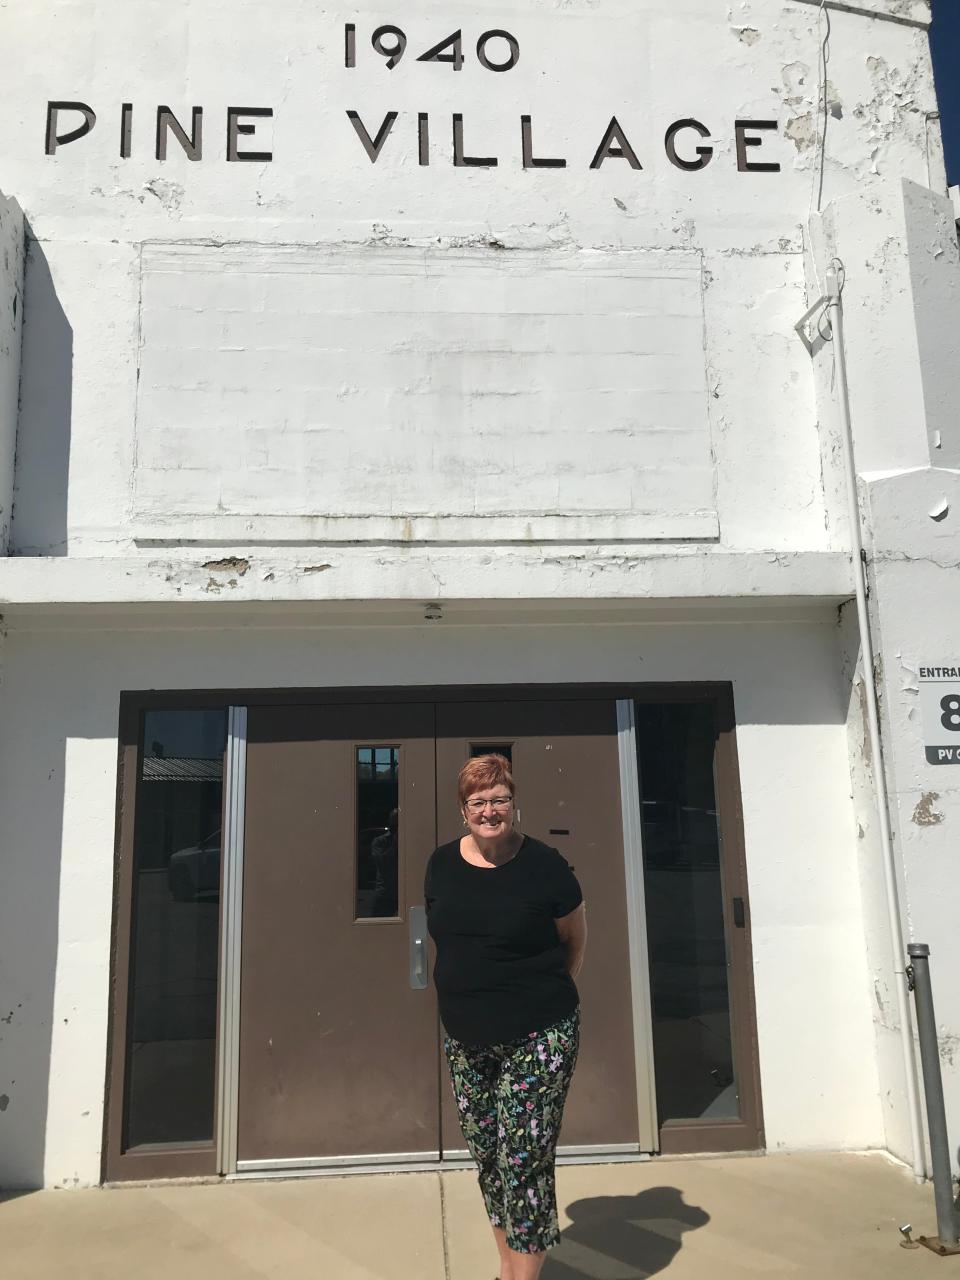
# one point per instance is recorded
(688, 947)
(172, 1021)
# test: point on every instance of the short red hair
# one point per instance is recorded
(483, 772)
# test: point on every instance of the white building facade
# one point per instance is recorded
(378, 388)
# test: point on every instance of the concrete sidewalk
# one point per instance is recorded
(804, 1215)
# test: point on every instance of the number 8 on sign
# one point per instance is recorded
(940, 712)
(950, 707)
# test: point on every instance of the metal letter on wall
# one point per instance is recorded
(742, 130)
(530, 161)
(373, 146)
(637, 926)
(235, 128)
(234, 798)
(126, 129)
(460, 160)
(53, 139)
(168, 122)
(704, 154)
(615, 144)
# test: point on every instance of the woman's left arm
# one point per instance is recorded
(572, 931)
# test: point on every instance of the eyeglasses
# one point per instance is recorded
(478, 806)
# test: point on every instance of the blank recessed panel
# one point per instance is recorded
(377, 393)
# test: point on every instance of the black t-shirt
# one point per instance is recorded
(501, 969)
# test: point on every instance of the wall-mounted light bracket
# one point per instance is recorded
(813, 327)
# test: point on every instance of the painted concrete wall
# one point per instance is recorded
(11, 318)
(58, 767)
(901, 298)
(212, 455)
(898, 244)
(913, 519)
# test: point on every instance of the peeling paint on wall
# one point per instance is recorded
(909, 677)
(802, 131)
(230, 564)
(924, 814)
(796, 81)
(892, 113)
(949, 1046)
(170, 194)
(866, 746)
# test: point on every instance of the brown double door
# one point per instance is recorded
(339, 1036)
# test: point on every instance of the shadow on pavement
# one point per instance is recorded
(623, 1237)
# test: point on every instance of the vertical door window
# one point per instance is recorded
(684, 890)
(378, 832)
(174, 954)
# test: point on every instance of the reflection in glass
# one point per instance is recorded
(688, 958)
(378, 799)
(174, 943)
(504, 749)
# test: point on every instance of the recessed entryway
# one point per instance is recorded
(278, 1010)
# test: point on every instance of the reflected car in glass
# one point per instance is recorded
(194, 872)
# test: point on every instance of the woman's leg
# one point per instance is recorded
(507, 1255)
(526, 1266)
(531, 1092)
(474, 1072)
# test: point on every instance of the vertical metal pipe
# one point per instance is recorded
(947, 1224)
(231, 893)
(637, 926)
(834, 308)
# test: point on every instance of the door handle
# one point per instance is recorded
(739, 915)
(418, 948)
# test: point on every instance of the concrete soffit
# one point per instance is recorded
(287, 616)
(582, 578)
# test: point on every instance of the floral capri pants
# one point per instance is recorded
(510, 1098)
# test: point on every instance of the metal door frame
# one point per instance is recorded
(228, 1063)
(637, 926)
(231, 960)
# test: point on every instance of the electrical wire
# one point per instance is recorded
(816, 184)
(823, 114)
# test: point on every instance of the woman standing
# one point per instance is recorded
(507, 916)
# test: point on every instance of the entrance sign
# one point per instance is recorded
(940, 710)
